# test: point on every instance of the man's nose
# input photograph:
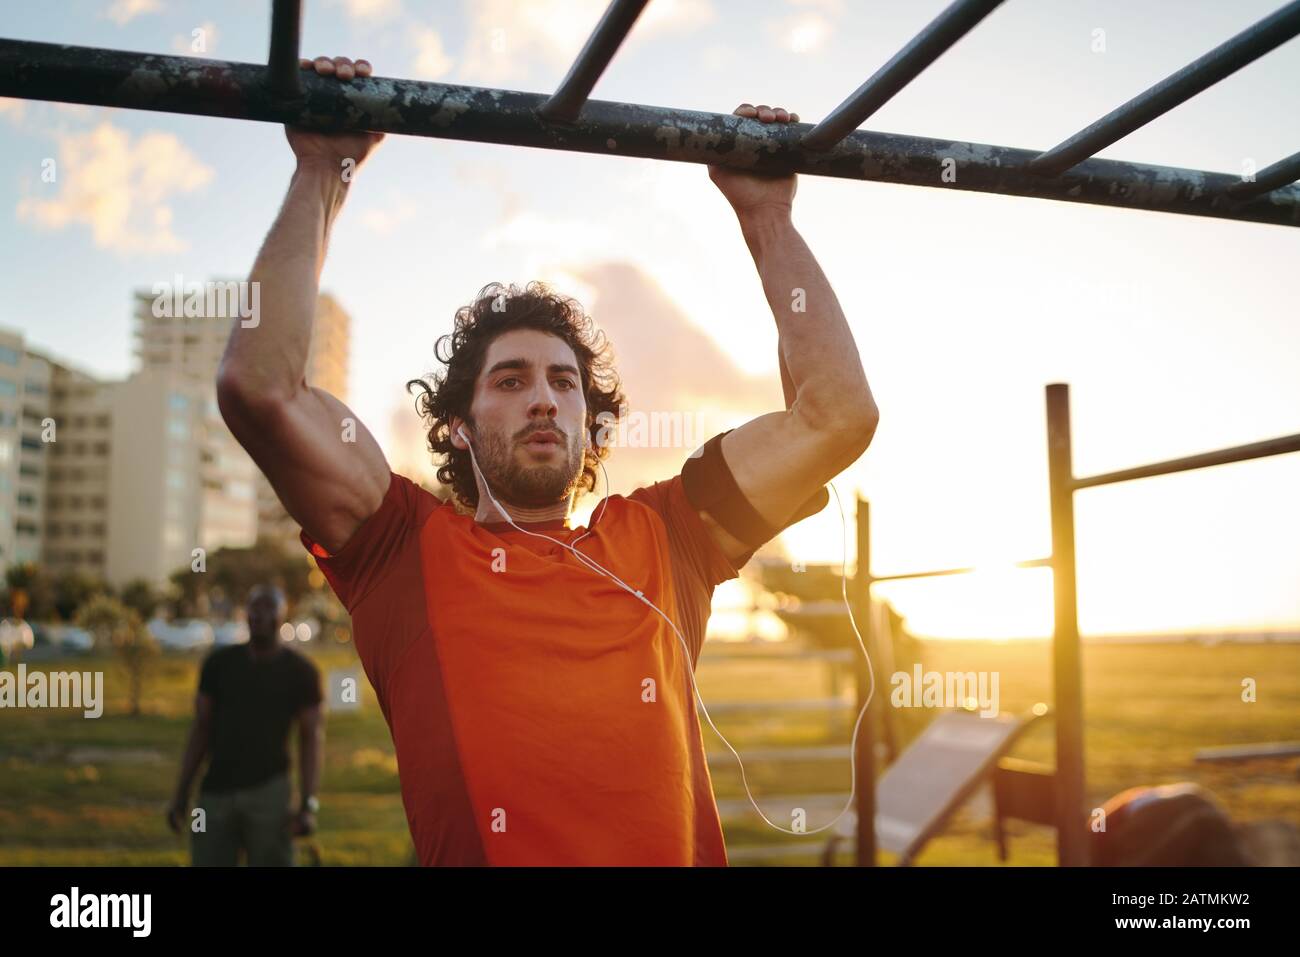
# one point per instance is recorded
(542, 402)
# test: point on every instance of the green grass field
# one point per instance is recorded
(92, 792)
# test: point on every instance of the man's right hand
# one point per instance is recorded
(332, 149)
(176, 816)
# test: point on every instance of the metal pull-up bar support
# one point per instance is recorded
(1223, 61)
(603, 43)
(907, 64)
(283, 73)
(282, 93)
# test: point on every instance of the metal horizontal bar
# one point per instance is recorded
(1239, 453)
(44, 71)
(282, 61)
(740, 807)
(603, 43)
(1032, 563)
(1224, 60)
(1250, 752)
(905, 66)
(1270, 177)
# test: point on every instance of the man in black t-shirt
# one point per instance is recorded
(249, 695)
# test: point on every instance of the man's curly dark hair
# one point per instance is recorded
(498, 309)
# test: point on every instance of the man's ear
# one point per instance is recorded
(456, 440)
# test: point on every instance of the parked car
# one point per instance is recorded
(304, 630)
(182, 634)
(71, 638)
(230, 633)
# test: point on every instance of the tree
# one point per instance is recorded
(139, 594)
(31, 592)
(72, 589)
(119, 628)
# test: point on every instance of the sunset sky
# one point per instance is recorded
(1176, 334)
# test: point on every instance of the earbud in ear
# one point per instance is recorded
(460, 430)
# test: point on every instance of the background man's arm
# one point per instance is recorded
(196, 749)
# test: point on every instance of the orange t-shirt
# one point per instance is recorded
(540, 714)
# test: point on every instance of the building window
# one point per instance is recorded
(178, 402)
(8, 356)
(27, 499)
(35, 388)
(32, 444)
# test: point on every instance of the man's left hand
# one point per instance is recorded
(303, 824)
(748, 192)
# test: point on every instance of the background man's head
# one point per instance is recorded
(520, 364)
(266, 610)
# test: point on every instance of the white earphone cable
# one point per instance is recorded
(690, 671)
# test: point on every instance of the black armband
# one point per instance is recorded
(710, 486)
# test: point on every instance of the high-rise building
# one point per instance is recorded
(124, 479)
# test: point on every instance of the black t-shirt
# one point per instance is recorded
(254, 703)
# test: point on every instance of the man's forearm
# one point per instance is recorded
(195, 749)
(309, 750)
(817, 351)
(270, 358)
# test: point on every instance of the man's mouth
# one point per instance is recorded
(543, 440)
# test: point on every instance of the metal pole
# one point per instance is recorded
(1223, 61)
(603, 43)
(905, 66)
(43, 71)
(283, 73)
(1270, 177)
(1238, 453)
(865, 756)
(1066, 660)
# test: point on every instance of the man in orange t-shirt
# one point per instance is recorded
(542, 713)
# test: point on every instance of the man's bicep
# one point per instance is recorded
(779, 461)
(325, 466)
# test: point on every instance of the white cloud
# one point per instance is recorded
(800, 33)
(188, 44)
(13, 109)
(119, 188)
(509, 41)
(830, 6)
(370, 9)
(431, 61)
(123, 12)
(577, 239)
(384, 220)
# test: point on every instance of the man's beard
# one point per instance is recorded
(535, 485)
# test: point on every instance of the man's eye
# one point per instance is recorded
(510, 379)
(568, 382)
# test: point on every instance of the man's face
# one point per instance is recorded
(530, 385)
(263, 616)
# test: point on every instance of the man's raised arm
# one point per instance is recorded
(325, 466)
(779, 460)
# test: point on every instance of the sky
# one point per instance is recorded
(1176, 334)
